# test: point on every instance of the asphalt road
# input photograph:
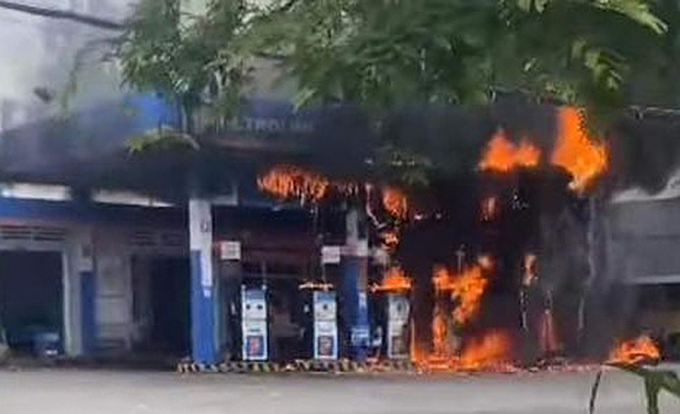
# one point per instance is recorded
(124, 392)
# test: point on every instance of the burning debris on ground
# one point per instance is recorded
(500, 265)
(636, 350)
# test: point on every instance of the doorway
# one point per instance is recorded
(161, 304)
(31, 297)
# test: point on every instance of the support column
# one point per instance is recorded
(203, 308)
(83, 307)
(355, 285)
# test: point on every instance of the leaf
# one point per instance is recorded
(195, 63)
(303, 97)
(525, 5)
(652, 388)
(636, 10)
(163, 138)
(654, 382)
(381, 54)
(541, 5)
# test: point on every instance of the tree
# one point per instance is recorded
(382, 53)
(189, 60)
(597, 54)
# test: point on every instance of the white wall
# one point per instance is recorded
(113, 302)
(644, 239)
(39, 52)
(114, 247)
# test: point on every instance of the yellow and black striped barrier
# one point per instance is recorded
(335, 366)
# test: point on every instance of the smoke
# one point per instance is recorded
(645, 151)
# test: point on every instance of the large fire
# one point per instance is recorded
(394, 280)
(584, 158)
(634, 351)
(462, 337)
(450, 351)
(442, 335)
(287, 181)
(504, 155)
(467, 288)
(575, 151)
(489, 351)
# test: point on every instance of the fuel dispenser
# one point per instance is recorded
(254, 338)
(321, 322)
(398, 309)
(321, 310)
(325, 325)
(392, 312)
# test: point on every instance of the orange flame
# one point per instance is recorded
(468, 287)
(503, 155)
(584, 158)
(395, 202)
(492, 350)
(440, 333)
(287, 181)
(394, 280)
(634, 351)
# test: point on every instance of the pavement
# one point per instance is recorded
(60, 391)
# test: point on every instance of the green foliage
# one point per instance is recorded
(382, 53)
(654, 382)
(598, 54)
(188, 59)
(162, 138)
(656, 84)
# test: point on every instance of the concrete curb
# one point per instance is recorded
(243, 367)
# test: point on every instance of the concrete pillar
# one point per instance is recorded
(355, 285)
(203, 301)
(80, 308)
